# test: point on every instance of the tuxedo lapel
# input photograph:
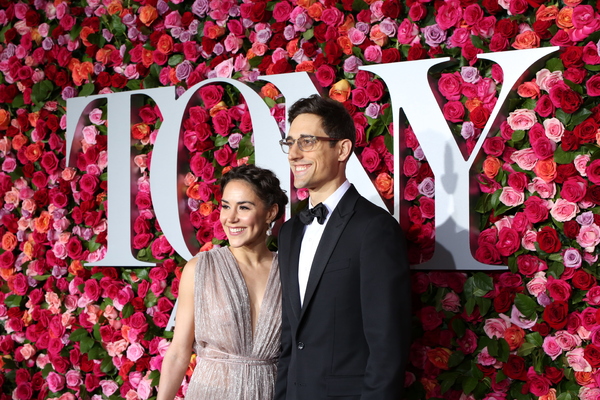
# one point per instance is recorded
(335, 226)
(295, 243)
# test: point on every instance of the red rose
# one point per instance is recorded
(575, 75)
(548, 240)
(586, 131)
(118, 81)
(375, 90)
(508, 28)
(333, 53)
(211, 95)
(508, 241)
(416, 52)
(430, 318)
(593, 195)
(143, 201)
(515, 368)
(479, 116)
(504, 301)
(593, 172)
(574, 189)
(572, 56)
(592, 354)
(325, 75)
(390, 55)
(487, 254)
(583, 280)
(222, 122)
(391, 9)
(359, 97)
(570, 101)
(23, 391)
(556, 313)
(529, 264)
(564, 172)
(536, 209)
(542, 328)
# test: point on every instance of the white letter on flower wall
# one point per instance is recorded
(410, 91)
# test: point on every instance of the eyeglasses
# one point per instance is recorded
(305, 143)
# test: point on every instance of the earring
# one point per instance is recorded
(269, 229)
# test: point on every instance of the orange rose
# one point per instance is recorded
(75, 268)
(305, 66)
(165, 44)
(173, 76)
(348, 23)
(9, 241)
(385, 185)
(226, 169)
(80, 70)
(306, 3)
(583, 378)
(33, 118)
(28, 248)
(439, 357)
(292, 47)
(206, 208)
(529, 89)
(140, 131)
(545, 169)
(514, 336)
(33, 152)
(378, 37)
(192, 191)
(491, 166)
(572, 3)
(207, 246)
(85, 32)
(147, 58)
(148, 14)
(216, 108)
(315, 11)
(564, 18)
(103, 54)
(472, 104)
(340, 91)
(6, 273)
(546, 13)
(526, 40)
(214, 31)
(269, 90)
(4, 119)
(345, 44)
(42, 223)
(19, 141)
(550, 396)
(116, 7)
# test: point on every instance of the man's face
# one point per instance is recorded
(317, 170)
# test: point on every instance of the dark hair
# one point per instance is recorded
(336, 121)
(264, 182)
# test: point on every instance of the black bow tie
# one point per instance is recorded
(308, 214)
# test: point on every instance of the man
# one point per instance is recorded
(345, 279)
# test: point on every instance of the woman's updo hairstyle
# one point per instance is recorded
(264, 182)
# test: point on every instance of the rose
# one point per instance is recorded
(555, 314)
(56, 382)
(564, 210)
(508, 241)
(430, 318)
(521, 119)
(439, 357)
(515, 368)
(551, 347)
(450, 86)
(454, 111)
(583, 280)
(511, 197)
(558, 289)
(589, 236)
(525, 159)
(514, 336)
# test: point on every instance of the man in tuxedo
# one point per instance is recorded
(345, 279)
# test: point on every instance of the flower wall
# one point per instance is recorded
(68, 330)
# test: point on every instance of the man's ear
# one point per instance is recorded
(345, 149)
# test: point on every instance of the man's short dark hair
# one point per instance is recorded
(335, 119)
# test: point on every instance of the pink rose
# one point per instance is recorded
(73, 379)
(546, 79)
(554, 129)
(56, 382)
(551, 348)
(495, 327)
(592, 297)
(589, 237)
(373, 54)
(511, 197)
(521, 119)
(484, 358)
(577, 361)
(407, 32)
(525, 159)
(468, 343)
(564, 210)
(574, 189)
(581, 161)
(544, 189)
(135, 351)
(451, 302)
(449, 14)
(567, 341)
(537, 285)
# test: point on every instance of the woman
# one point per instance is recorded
(229, 306)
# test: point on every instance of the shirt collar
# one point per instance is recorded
(332, 201)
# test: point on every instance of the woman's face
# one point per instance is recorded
(244, 216)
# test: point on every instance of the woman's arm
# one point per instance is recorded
(177, 358)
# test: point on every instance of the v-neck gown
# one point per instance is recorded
(233, 362)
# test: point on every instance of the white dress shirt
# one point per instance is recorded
(312, 237)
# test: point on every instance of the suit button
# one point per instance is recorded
(300, 345)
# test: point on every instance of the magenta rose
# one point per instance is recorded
(223, 155)
(211, 95)
(359, 97)
(325, 73)
(508, 241)
(593, 86)
(430, 318)
(450, 86)
(529, 264)
(454, 111)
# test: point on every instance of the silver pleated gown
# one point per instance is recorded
(233, 363)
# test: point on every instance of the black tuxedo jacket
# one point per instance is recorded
(350, 338)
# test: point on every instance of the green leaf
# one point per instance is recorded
(78, 335)
(526, 349)
(86, 344)
(176, 59)
(470, 305)
(41, 90)
(563, 116)
(555, 64)
(534, 338)
(564, 396)
(13, 301)
(518, 135)
(580, 116)
(477, 42)
(526, 305)
(134, 84)
(469, 384)
(92, 245)
(556, 269)
(455, 359)
(564, 157)
(246, 147)
(529, 104)
(117, 27)
(155, 377)
(270, 102)
(97, 39)
(484, 304)
(128, 310)
(107, 365)
(308, 34)
(483, 283)
(458, 326)
(87, 89)
(220, 141)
